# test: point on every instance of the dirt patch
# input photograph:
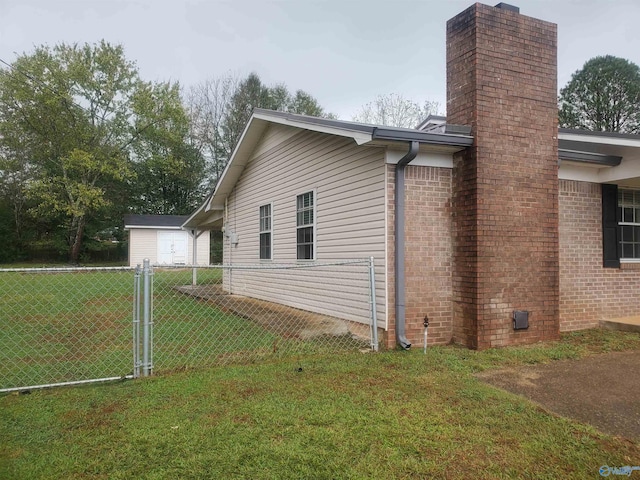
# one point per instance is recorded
(282, 320)
(601, 390)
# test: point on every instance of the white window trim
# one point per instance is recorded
(315, 221)
(260, 232)
(622, 224)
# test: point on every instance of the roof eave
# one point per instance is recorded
(448, 139)
(606, 138)
(591, 158)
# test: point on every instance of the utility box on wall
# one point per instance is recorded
(520, 320)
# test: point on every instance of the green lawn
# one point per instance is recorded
(72, 326)
(386, 415)
(62, 326)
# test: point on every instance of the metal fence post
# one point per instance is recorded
(146, 317)
(151, 276)
(374, 311)
(136, 322)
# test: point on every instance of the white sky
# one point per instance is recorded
(343, 52)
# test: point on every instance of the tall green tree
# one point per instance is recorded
(604, 95)
(65, 110)
(14, 177)
(76, 125)
(170, 169)
(251, 93)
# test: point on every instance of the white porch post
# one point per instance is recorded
(194, 273)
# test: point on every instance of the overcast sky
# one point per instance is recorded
(343, 52)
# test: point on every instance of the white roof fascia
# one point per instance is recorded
(600, 139)
(150, 227)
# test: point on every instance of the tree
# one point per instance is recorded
(250, 94)
(220, 109)
(394, 110)
(64, 110)
(602, 96)
(170, 170)
(305, 104)
(14, 177)
(206, 106)
(76, 125)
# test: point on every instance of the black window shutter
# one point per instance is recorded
(610, 240)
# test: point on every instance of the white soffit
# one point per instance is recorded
(423, 159)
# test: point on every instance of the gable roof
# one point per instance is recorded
(449, 140)
(154, 221)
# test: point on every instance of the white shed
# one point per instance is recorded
(161, 239)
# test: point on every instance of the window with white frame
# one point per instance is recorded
(305, 221)
(265, 232)
(629, 215)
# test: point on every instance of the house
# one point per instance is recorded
(494, 223)
(161, 239)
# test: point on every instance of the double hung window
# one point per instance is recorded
(305, 221)
(266, 232)
(629, 215)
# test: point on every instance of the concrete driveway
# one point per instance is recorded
(602, 390)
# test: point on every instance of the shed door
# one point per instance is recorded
(172, 247)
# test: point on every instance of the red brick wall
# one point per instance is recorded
(501, 80)
(589, 292)
(428, 253)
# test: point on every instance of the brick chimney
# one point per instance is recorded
(502, 80)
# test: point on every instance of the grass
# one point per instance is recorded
(57, 327)
(70, 326)
(387, 415)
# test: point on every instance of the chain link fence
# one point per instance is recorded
(64, 325)
(77, 325)
(243, 313)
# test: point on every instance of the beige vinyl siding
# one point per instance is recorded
(276, 134)
(143, 243)
(202, 249)
(348, 184)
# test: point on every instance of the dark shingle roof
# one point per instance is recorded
(154, 220)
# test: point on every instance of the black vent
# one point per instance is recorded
(520, 320)
(506, 6)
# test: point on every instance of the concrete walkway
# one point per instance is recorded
(284, 321)
(601, 390)
(625, 324)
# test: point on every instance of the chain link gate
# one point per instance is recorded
(66, 326)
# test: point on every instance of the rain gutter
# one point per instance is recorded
(401, 337)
